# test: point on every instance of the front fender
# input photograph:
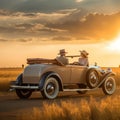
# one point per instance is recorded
(104, 78)
(109, 74)
(19, 79)
(46, 76)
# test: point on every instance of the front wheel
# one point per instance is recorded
(109, 86)
(51, 88)
(23, 93)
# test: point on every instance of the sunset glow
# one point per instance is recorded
(115, 44)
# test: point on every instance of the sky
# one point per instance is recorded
(40, 28)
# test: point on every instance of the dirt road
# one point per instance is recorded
(11, 106)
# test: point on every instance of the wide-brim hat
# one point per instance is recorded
(62, 51)
(85, 53)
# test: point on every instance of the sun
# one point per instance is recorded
(115, 44)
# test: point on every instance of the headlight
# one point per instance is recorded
(109, 70)
(102, 71)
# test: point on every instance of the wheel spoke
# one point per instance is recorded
(92, 78)
(51, 88)
(109, 86)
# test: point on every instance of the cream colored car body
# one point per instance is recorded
(51, 76)
(69, 74)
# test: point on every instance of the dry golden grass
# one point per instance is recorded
(117, 77)
(106, 109)
(7, 75)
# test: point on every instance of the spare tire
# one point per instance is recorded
(92, 78)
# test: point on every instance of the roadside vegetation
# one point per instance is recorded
(106, 109)
(6, 76)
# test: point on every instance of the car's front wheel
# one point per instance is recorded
(51, 88)
(23, 93)
(109, 86)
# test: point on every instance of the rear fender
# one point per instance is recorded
(46, 76)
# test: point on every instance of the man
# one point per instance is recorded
(62, 57)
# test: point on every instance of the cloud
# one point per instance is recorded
(20, 24)
(62, 38)
(92, 26)
(4, 12)
(3, 40)
(48, 6)
(79, 0)
(62, 25)
(36, 5)
(106, 6)
(24, 40)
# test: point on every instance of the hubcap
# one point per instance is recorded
(50, 89)
(93, 79)
(109, 85)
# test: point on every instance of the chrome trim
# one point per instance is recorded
(23, 87)
(74, 90)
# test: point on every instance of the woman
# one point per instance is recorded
(83, 60)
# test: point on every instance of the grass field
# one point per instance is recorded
(93, 109)
(7, 75)
(106, 109)
(10, 74)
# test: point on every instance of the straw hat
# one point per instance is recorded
(85, 53)
(62, 51)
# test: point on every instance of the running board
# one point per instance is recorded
(24, 87)
(74, 90)
(13, 87)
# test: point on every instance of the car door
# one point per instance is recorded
(65, 74)
(78, 74)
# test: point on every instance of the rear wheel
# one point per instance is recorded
(23, 93)
(109, 86)
(92, 78)
(51, 88)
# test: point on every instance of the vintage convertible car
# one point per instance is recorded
(49, 76)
